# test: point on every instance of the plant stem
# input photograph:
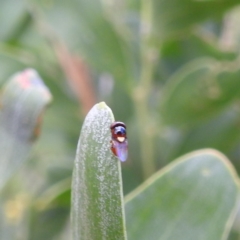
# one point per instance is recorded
(142, 92)
(146, 138)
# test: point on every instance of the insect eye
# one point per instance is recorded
(120, 130)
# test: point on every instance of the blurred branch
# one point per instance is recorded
(77, 75)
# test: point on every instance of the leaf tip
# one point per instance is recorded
(101, 105)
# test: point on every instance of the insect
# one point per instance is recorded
(119, 143)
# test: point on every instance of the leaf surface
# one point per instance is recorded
(97, 201)
(23, 101)
(193, 198)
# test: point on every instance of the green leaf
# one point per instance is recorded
(11, 16)
(97, 201)
(178, 52)
(91, 32)
(199, 90)
(193, 198)
(48, 223)
(225, 125)
(23, 101)
(50, 212)
(223, 135)
(174, 18)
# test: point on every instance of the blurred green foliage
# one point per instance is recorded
(168, 69)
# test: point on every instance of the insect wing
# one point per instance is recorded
(121, 150)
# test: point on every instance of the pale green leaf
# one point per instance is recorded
(193, 198)
(97, 201)
(23, 101)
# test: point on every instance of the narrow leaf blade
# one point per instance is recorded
(97, 201)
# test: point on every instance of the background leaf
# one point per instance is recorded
(23, 101)
(194, 197)
(199, 90)
(175, 18)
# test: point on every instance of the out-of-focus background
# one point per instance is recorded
(169, 69)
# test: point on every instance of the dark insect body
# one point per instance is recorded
(119, 143)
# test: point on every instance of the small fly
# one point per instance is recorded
(119, 143)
